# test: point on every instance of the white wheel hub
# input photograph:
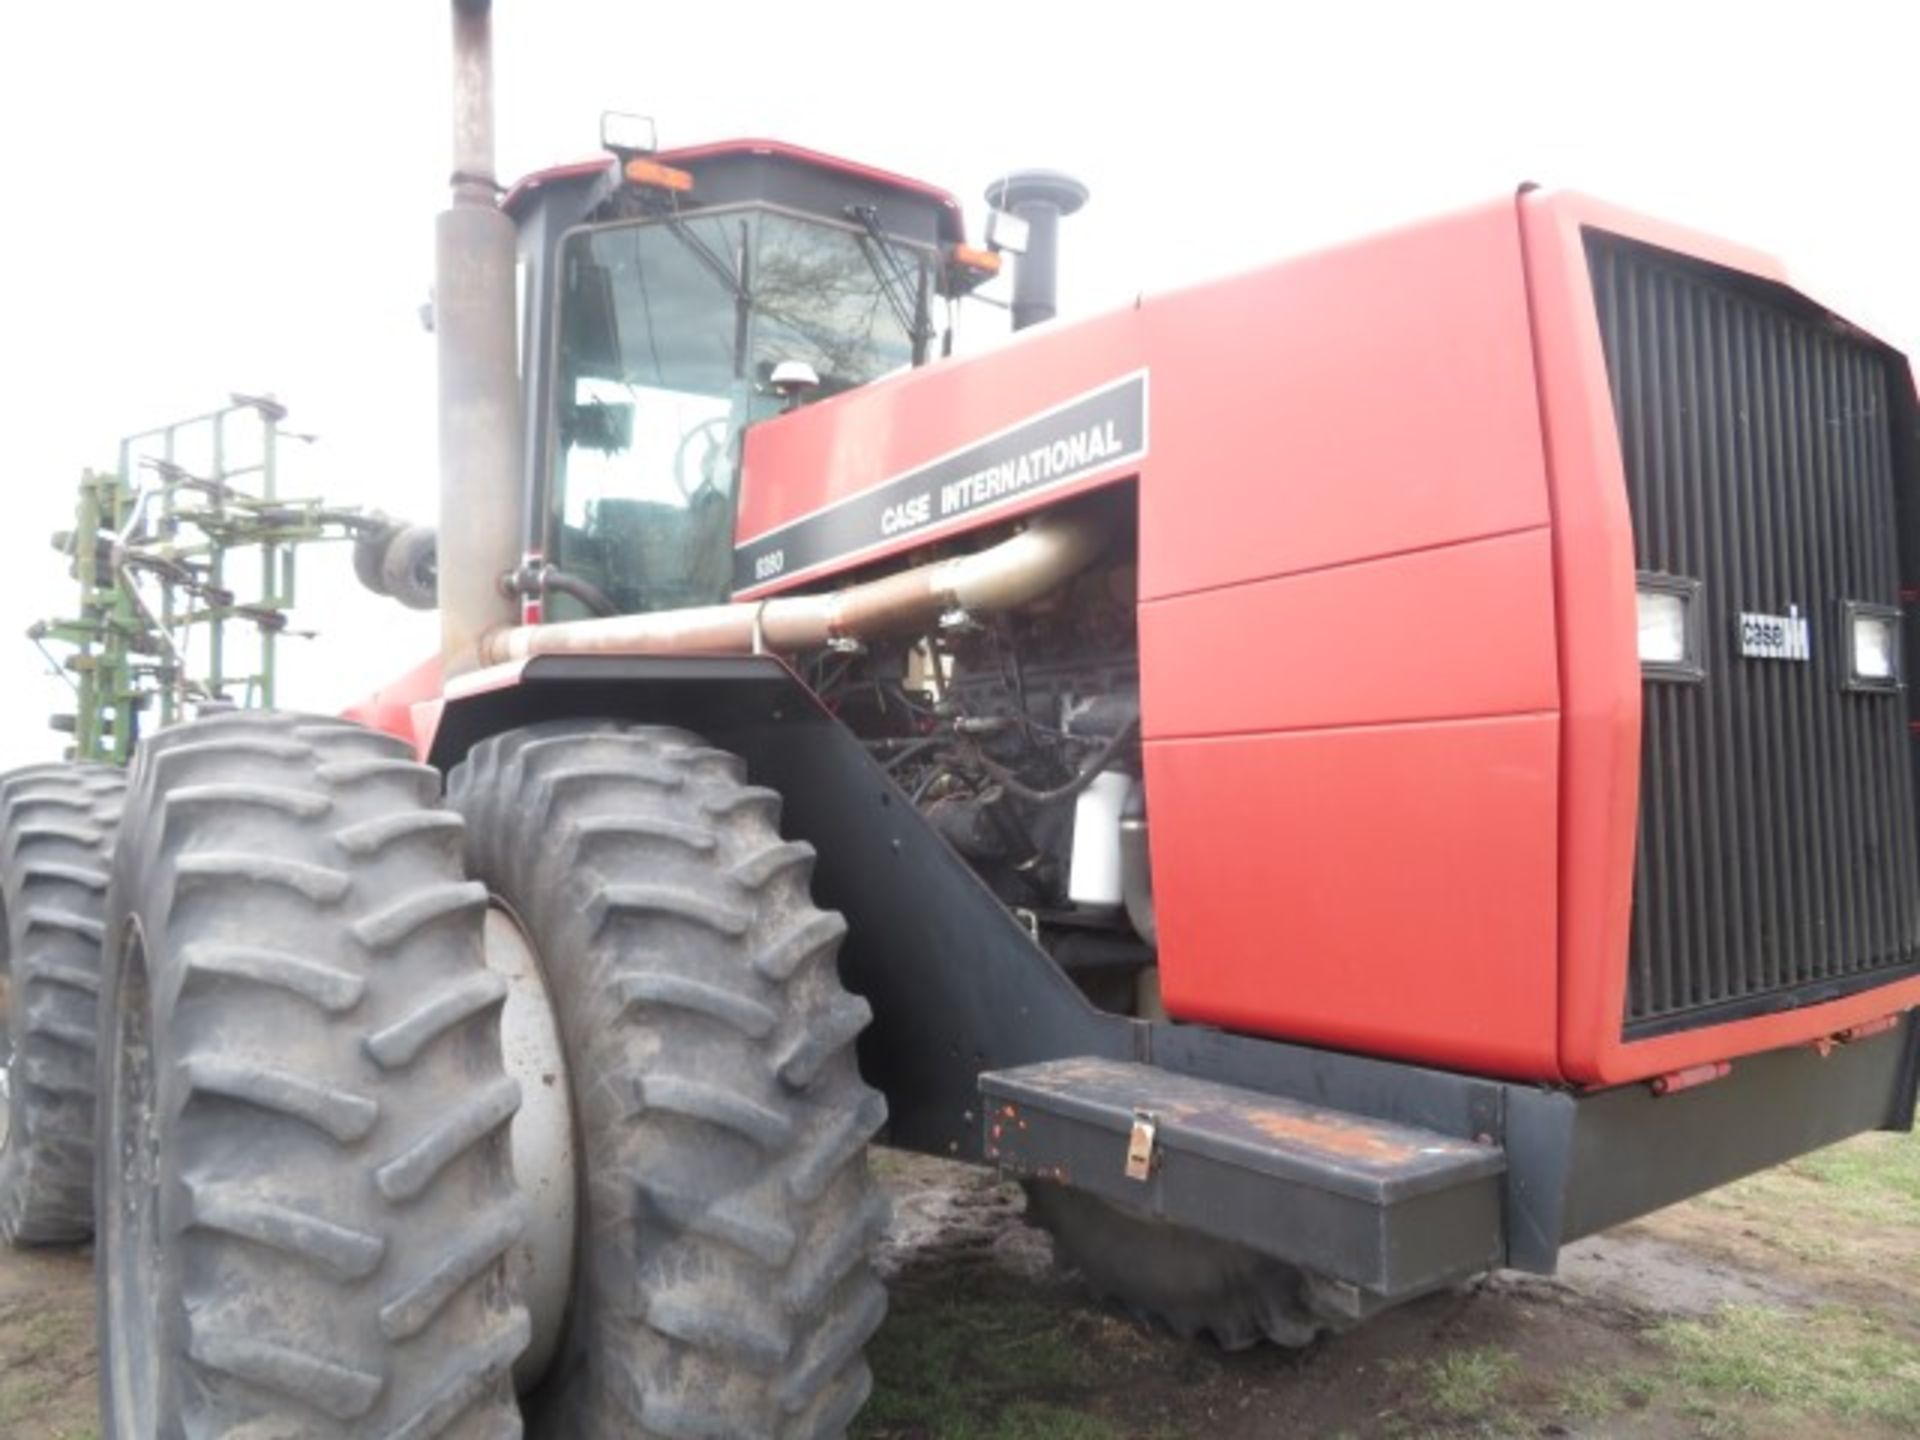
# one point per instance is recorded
(541, 1139)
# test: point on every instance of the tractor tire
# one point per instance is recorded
(369, 559)
(306, 1207)
(1191, 1284)
(57, 825)
(722, 1281)
(407, 568)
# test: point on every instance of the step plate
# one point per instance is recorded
(1389, 1209)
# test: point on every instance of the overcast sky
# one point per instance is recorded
(212, 195)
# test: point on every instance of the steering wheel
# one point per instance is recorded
(712, 435)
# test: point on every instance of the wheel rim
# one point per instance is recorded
(541, 1139)
(132, 1207)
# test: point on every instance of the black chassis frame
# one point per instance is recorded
(959, 989)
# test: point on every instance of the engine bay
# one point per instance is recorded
(1017, 736)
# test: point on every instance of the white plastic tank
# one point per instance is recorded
(1093, 872)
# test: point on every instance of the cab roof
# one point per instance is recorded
(952, 227)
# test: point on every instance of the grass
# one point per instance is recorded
(1589, 1397)
(968, 1366)
(1467, 1384)
(54, 1331)
(26, 1390)
(1852, 1210)
(1842, 1364)
(23, 1397)
(1874, 1180)
(1466, 1392)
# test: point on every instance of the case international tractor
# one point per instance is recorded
(1340, 779)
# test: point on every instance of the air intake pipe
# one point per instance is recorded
(473, 304)
(1052, 549)
(1040, 198)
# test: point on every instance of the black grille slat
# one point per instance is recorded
(1853, 931)
(1777, 858)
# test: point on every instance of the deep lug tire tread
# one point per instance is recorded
(1175, 1279)
(57, 826)
(724, 1286)
(334, 1222)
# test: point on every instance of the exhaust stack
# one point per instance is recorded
(479, 378)
(1041, 198)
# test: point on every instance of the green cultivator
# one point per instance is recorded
(185, 542)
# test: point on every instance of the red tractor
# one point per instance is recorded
(1340, 779)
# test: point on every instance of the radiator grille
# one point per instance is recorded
(1776, 852)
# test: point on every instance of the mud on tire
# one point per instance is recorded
(304, 1186)
(722, 1281)
(57, 825)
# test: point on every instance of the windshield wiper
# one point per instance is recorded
(704, 253)
(906, 299)
(736, 282)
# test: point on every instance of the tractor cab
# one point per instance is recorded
(671, 300)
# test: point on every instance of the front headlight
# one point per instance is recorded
(1663, 627)
(1669, 627)
(1873, 646)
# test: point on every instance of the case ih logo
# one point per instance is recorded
(1776, 637)
(1088, 434)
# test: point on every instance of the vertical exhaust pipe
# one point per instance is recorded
(474, 260)
(1041, 198)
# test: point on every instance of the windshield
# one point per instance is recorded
(669, 331)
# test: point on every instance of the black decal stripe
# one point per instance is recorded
(1085, 436)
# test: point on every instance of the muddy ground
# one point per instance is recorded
(1788, 1307)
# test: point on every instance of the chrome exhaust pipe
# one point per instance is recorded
(474, 255)
(1013, 573)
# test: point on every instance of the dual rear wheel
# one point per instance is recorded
(311, 1226)
(57, 826)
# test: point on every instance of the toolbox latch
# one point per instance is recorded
(1140, 1145)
